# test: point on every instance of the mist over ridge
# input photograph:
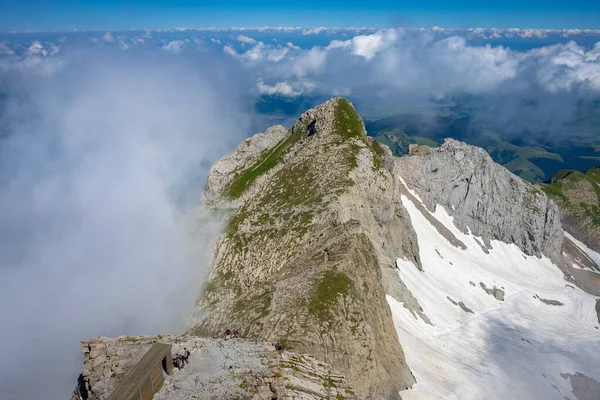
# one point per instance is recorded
(104, 156)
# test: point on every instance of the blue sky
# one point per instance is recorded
(111, 14)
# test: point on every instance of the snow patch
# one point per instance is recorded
(516, 348)
(412, 192)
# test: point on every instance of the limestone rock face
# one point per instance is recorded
(247, 152)
(308, 254)
(484, 197)
(217, 369)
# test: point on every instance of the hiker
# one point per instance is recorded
(228, 334)
(278, 347)
(176, 361)
(235, 334)
(179, 362)
(186, 355)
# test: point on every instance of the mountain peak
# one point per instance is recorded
(303, 249)
(330, 124)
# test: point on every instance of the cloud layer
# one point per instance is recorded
(418, 63)
(101, 159)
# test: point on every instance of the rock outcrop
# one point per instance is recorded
(106, 362)
(245, 155)
(217, 369)
(484, 197)
(308, 254)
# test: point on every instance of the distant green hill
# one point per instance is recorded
(535, 155)
(399, 131)
(578, 196)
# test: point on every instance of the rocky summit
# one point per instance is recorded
(381, 277)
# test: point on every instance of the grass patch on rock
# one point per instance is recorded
(349, 126)
(326, 293)
(268, 160)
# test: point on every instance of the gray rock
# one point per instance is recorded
(328, 209)
(465, 308)
(583, 387)
(484, 197)
(309, 252)
(257, 371)
(551, 302)
(496, 292)
(223, 171)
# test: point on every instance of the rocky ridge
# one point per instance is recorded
(484, 197)
(317, 227)
(308, 255)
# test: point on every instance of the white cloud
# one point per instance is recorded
(108, 37)
(256, 53)
(229, 50)
(36, 48)
(308, 62)
(406, 62)
(260, 52)
(277, 54)
(281, 88)
(368, 46)
(339, 44)
(174, 46)
(5, 50)
(285, 88)
(246, 39)
(314, 31)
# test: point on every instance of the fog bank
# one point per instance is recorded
(102, 158)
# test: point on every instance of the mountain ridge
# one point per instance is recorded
(381, 267)
(317, 216)
(308, 263)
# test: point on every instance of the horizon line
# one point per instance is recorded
(316, 29)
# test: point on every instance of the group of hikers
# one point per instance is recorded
(229, 334)
(181, 359)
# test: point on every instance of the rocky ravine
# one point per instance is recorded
(308, 254)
